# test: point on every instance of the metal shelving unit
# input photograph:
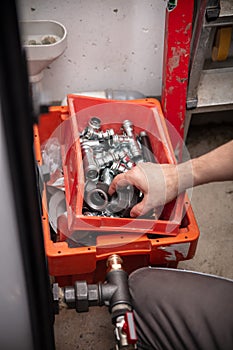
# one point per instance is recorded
(210, 86)
(215, 90)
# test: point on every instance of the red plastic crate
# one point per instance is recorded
(145, 116)
(137, 246)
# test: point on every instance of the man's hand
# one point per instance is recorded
(160, 183)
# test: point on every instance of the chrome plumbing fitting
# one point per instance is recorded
(96, 196)
(127, 160)
(107, 177)
(127, 126)
(118, 167)
(106, 154)
(118, 140)
(97, 199)
(104, 160)
(91, 131)
(147, 150)
(133, 144)
(122, 200)
(91, 170)
(135, 151)
(118, 154)
(96, 144)
(91, 134)
(107, 134)
(95, 123)
(129, 164)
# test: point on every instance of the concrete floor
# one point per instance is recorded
(213, 208)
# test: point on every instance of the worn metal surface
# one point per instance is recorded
(178, 31)
(226, 8)
(215, 90)
(225, 16)
(209, 89)
(200, 44)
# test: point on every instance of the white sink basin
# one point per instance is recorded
(44, 41)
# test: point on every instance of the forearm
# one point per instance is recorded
(216, 165)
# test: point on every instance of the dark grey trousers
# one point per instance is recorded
(176, 310)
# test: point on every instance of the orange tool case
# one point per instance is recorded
(141, 242)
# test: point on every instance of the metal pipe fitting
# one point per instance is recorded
(105, 160)
(107, 134)
(118, 154)
(88, 133)
(91, 131)
(133, 144)
(118, 140)
(114, 262)
(122, 201)
(90, 213)
(95, 123)
(91, 170)
(114, 293)
(127, 161)
(90, 143)
(97, 199)
(118, 167)
(135, 151)
(127, 126)
(146, 147)
(129, 165)
(107, 177)
(96, 196)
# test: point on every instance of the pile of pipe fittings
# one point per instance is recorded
(106, 154)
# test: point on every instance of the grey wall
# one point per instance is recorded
(114, 44)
